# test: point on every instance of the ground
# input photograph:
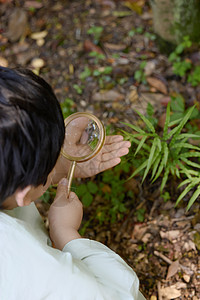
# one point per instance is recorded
(56, 39)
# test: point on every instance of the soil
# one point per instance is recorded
(54, 39)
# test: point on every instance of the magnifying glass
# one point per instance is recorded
(85, 136)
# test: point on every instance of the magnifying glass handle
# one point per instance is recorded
(70, 176)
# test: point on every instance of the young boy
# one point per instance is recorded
(31, 136)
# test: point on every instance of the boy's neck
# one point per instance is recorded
(9, 203)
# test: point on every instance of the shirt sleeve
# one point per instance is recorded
(109, 269)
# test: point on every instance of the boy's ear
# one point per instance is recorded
(20, 196)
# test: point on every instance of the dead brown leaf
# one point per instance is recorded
(170, 235)
(111, 95)
(170, 292)
(157, 84)
(89, 47)
(173, 269)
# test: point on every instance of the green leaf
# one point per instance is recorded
(191, 163)
(92, 187)
(188, 135)
(185, 145)
(182, 195)
(155, 165)
(150, 160)
(159, 170)
(146, 121)
(166, 153)
(190, 154)
(172, 123)
(186, 181)
(177, 104)
(165, 130)
(142, 166)
(87, 199)
(193, 198)
(81, 190)
(164, 180)
(136, 128)
(181, 125)
(140, 144)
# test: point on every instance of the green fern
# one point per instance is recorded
(169, 153)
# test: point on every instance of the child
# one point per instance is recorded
(31, 136)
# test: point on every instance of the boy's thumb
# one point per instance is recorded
(62, 185)
(63, 181)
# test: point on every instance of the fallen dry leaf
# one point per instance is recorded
(157, 84)
(139, 231)
(170, 292)
(34, 4)
(173, 269)
(170, 235)
(111, 95)
(133, 95)
(89, 47)
(116, 47)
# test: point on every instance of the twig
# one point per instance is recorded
(160, 297)
(182, 219)
(169, 261)
(166, 259)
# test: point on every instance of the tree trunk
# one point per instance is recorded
(174, 19)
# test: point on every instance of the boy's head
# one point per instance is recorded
(31, 130)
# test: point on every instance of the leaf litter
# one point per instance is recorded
(53, 40)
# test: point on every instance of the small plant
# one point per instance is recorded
(181, 66)
(96, 32)
(194, 77)
(78, 88)
(102, 74)
(97, 56)
(86, 192)
(67, 107)
(109, 186)
(139, 75)
(169, 153)
(178, 108)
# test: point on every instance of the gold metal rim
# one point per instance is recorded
(101, 140)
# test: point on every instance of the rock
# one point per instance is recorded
(39, 35)
(17, 25)
(111, 95)
(24, 57)
(37, 63)
(150, 67)
(186, 278)
(3, 62)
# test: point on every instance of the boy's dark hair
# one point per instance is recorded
(31, 130)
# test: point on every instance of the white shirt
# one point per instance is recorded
(30, 269)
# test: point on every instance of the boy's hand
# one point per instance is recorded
(107, 158)
(65, 216)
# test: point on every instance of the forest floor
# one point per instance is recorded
(56, 38)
